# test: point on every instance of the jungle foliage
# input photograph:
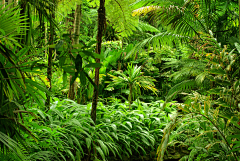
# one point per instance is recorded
(119, 80)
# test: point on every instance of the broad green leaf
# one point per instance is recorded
(218, 71)
(78, 46)
(82, 78)
(59, 45)
(74, 78)
(103, 147)
(100, 152)
(91, 43)
(129, 124)
(93, 65)
(71, 154)
(69, 69)
(64, 78)
(78, 63)
(58, 113)
(92, 54)
(52, 46)
(38, 86)
(237, 46)
(114, 127)
(223, 82)
(215, 90)
(88, 142)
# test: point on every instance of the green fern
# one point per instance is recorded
(180, 87)
(119, 14)
(142, 27)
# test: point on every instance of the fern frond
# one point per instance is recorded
(201, 77)
(142, 26)
(182, 19)
(184, 85)
(158, 40)
(187, 68)
(145, 10)
(119, 13)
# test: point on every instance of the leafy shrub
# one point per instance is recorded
(66, 131)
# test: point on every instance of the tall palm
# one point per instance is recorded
(134, 80)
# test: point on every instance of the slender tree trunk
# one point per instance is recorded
(77, 24)
(70, 27)
(3, 3)
(101, 25)
(45, 38)
(9, 2)
(76, 31)
(50, 55)
(15, 3)
(239, 38)
(130, 96)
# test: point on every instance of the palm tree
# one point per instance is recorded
(134, 80)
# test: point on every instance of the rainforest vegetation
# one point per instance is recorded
(119, 80)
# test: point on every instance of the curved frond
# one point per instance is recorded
(119, 13)
(183, 86)
(145, 10)
(142, 26)
(11, 25)
(181, 20)
(157, 41)
(11, 145)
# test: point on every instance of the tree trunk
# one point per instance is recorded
(71, 94)
(76, 31)
(3, 3)
(15, 3)
(239, 38)
(101, 25)
(9, 2)
(130, 96)
(45, 38)
(50, 55)
(77, 20)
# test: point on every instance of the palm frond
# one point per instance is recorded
(157, 40)
(11, 146)
(183, 86)
(12, 25)
(181, 20)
